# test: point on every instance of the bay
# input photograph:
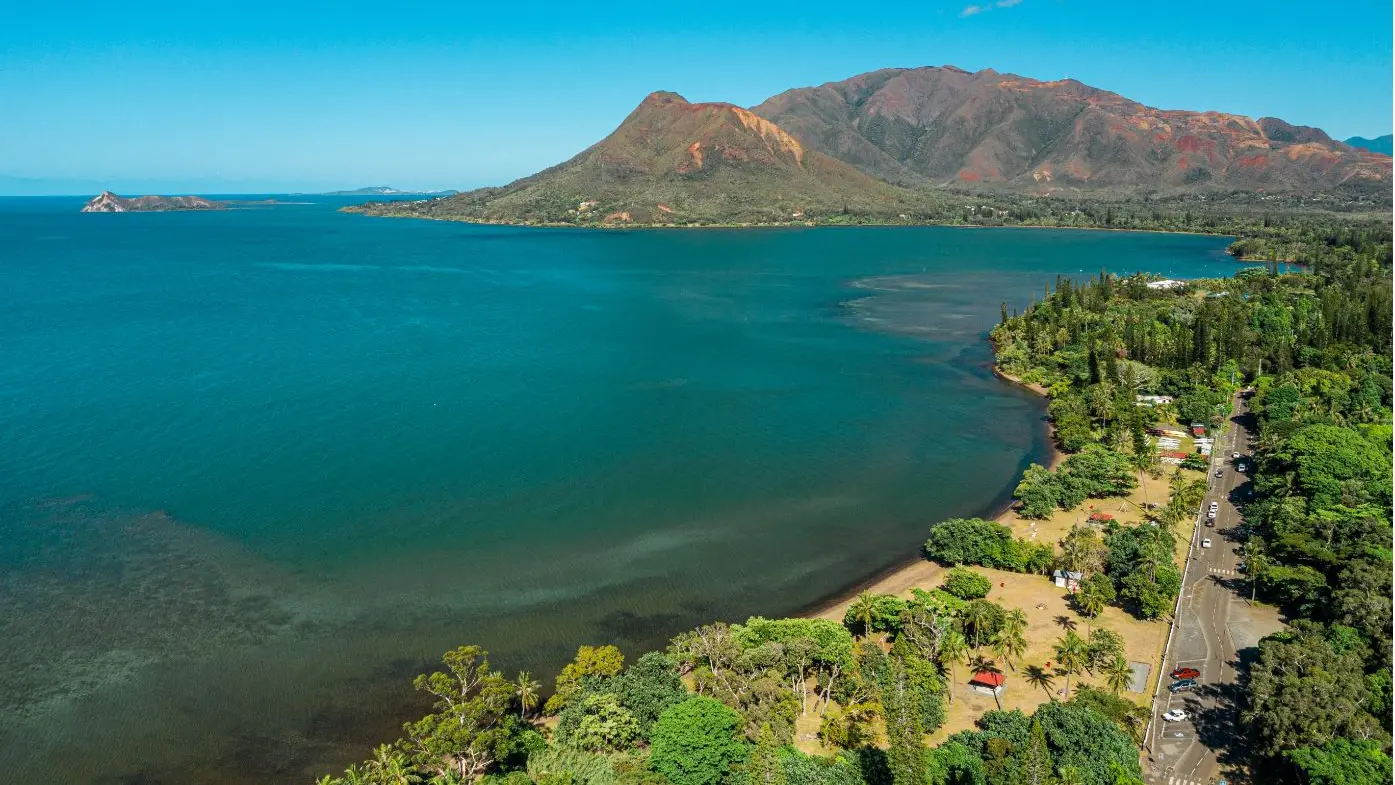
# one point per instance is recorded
(259, 467)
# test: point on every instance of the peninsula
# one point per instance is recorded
(108, 202)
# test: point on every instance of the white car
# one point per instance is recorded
(1215, 505)
(1206, 543)
(1211, 516)
(1176, 715)
(1235, 456)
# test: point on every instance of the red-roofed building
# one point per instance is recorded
(988, 683)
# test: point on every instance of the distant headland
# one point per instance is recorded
(383, 190)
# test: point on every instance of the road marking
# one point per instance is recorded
(1181, 781)
(1218, 571)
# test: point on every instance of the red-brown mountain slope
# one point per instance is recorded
(947, 126)
(672, 161)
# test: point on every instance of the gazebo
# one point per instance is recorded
(988, 683)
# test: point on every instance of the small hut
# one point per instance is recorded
(988, 683)
(1068, 580)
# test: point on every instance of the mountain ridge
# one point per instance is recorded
(1377, 144)
(942, 126)
(897, 143)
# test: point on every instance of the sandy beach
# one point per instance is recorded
(917, 572)
(1047, 606)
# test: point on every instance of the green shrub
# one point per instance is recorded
(966, 584)
(695, 742)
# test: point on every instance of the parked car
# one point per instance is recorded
(1206, 543)
(1185, 673)
(1235, 456)
(1182, 686)
(1220, 472)
(1176, 715)
(1210, 523)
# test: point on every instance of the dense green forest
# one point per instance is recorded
(1316, 347)
(724, 703)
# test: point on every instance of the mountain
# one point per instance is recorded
(672, 161)
(108, 202)
(991, 131)
(383, 190)
(1380, 144)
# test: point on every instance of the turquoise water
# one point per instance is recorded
(261, 466)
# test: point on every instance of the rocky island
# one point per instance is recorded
(108, 202)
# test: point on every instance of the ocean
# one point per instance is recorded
(259, 467)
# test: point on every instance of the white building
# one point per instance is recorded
(1166, 283)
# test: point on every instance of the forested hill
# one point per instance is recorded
(1316, 347)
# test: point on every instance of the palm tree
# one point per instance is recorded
(1015, 620)
(448, 777)
(1070, 653)
(328, 780)
(1118, 674)
(953, 647)
(1091, 604)
(357, 776)
(977, 615)
(1038, 676)
(1009, 644)
(390, 767)
(527, 690)
(863, 609)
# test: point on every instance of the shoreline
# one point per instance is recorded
(781, 225)
(900, 577)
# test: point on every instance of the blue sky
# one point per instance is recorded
(253, 96)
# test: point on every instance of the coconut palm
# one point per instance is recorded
(448, 777)
(1118, 674)
(354, 775)
(1071, 654)
(1015, 620)
(527, 691)
(1090, 604)
(953, 648)
(863, 609)
(1038, 676)
(328, 780)
(1009, 644)
(390, 767)
(976, 615)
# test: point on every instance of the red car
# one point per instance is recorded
(1185, 673)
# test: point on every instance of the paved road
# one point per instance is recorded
(1215, 624)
